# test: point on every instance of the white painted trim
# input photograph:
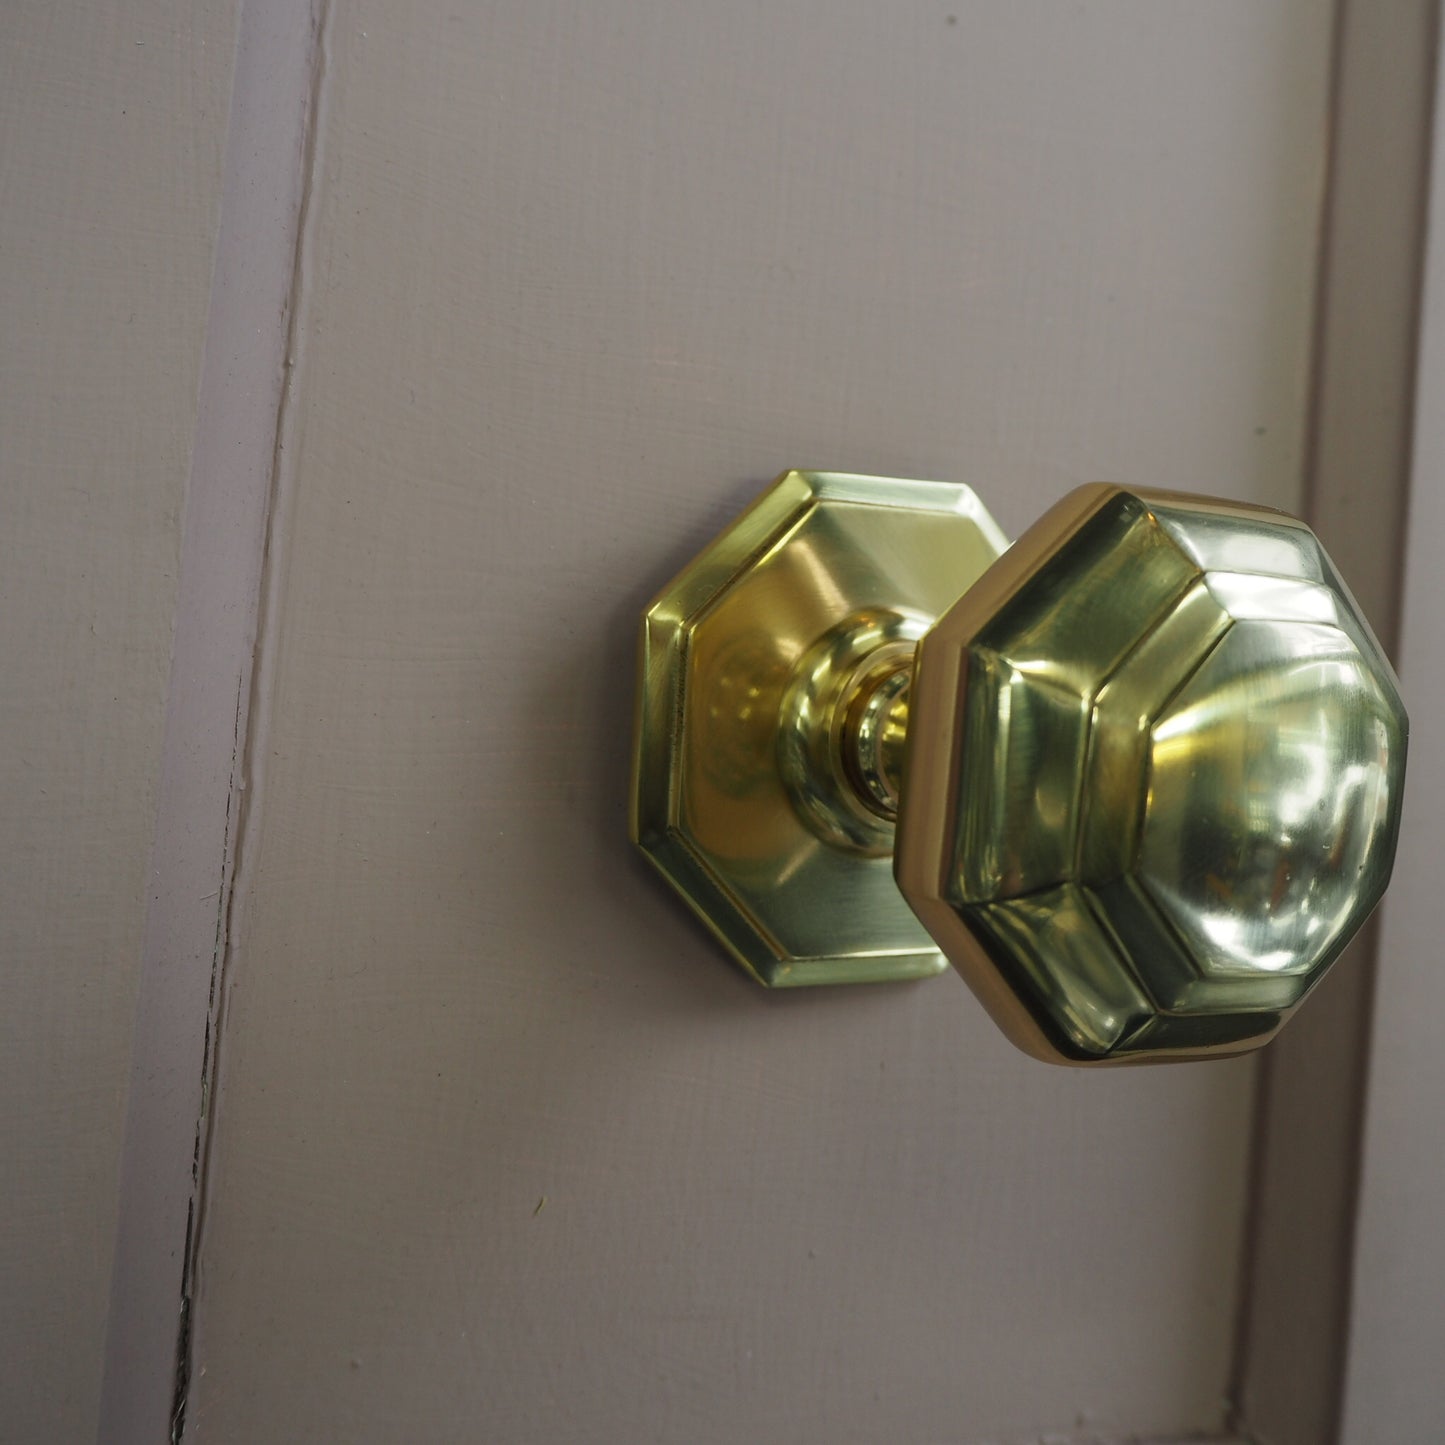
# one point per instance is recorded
(227, 501)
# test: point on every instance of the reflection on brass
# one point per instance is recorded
(1143, 777)
(1153, 777)
(749, 658)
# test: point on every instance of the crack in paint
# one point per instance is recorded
(242, 805)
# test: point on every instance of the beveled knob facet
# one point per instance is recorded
(1153, 777)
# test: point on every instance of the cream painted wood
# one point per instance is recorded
(503, 1149)
(1397, 1336)
(112, 120)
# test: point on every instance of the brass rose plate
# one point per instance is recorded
(771, 620)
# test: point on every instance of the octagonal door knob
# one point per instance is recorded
(1137, 777)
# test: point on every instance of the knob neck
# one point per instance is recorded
(874, 731)
(841, 727)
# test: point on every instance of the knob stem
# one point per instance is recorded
(874, 732)
(841, 726)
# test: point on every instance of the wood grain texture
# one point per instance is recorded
(577, 281)
(1397, 1333)
(112, 118)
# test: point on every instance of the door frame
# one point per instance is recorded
(1361, 460)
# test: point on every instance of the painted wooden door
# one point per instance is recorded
(515, 305)
(503, 1149)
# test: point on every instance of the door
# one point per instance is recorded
(502, 1147)
(493, 1144)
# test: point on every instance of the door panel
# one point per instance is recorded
(503, 1148)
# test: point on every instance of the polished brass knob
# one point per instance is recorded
(1140, 781)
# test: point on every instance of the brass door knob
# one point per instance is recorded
(1138, 775)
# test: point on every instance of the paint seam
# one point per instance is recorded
(248, 769)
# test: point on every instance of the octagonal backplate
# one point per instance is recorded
(727, 648)
(1153, 781)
